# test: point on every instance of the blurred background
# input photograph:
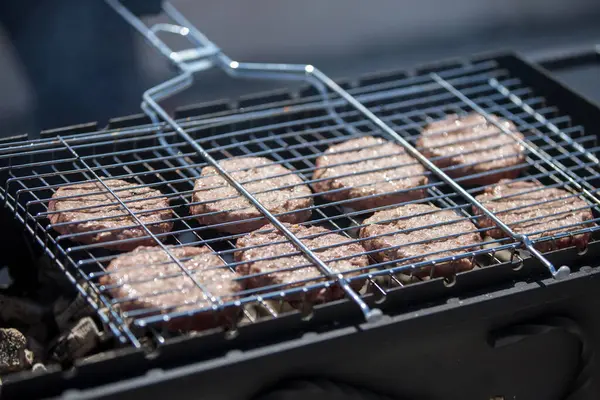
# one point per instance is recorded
(68, 61)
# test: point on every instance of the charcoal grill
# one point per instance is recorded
(292, 128)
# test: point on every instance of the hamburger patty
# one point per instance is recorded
(368, 166)
(149, 279)
(270, 268)
(409, 226)
(496, 200)
(84, 213)
(276, 187)
(472, 145)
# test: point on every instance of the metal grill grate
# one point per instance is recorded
(292, 133)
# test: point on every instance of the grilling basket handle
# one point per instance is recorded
(582, 376)
(203, 55)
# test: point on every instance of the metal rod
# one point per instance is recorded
(153, 95)
(562, 272)
(397, 97)
(33, 181)
(312, 75)
(534, 149)
(370, 314)
(214, 300)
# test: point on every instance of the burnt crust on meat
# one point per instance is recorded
(146, 271)
(276, 187)
(149, 205)
(392, 169)
(526, 196)
(411, 223)
(251, 256)
(473, 145)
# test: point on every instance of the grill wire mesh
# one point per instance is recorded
(291, 133)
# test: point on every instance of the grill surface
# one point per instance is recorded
(293, 133)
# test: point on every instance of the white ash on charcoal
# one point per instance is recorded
(273, 308)
(37, 348)
(249, 315)
(506, 255)
(14, 355)
(77, 341)
(20, 310)
(38, 368)
(67, 311)
(97, 357)
(276, 307)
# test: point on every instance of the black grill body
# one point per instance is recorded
(496, 332)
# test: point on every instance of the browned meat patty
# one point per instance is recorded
(472, 145)
(368, 166)
(148, 205)
(149, 279)
(275, 187)
(408, 226)
(344, 247)
(497, 201)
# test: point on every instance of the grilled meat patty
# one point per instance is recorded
(368, 166)
(518, 203)
(406, 225)
(84, 212)
(471, 145)
(148, 278)
(276, 187)
(274, 270)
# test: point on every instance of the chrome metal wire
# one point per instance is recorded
(170, 156)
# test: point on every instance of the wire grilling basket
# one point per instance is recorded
(174, 159)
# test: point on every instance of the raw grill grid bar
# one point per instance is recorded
(31, 183)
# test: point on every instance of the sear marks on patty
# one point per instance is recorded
(269, 269)
(276, 187)
(368, 166)
(472, 145)
(84, 212)
(553, 215)
(148, 278)
(405, 225)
